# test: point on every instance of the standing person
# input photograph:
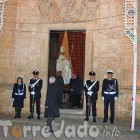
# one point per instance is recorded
(91, 93)
(35, 86)
(63, 65)
(18, 96)
(60, 85)
(109, 95)
(76, 90)
(51, 103)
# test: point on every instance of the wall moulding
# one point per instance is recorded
(67, 11)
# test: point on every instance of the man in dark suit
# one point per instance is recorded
(91, 92)
(109, 95)
(51, 103)
(60, 85)
(76, 85)
(35, 86)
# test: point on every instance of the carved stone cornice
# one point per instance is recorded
(91, 7)
(67, 10)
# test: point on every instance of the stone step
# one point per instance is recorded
(72, 114)
(72, 111)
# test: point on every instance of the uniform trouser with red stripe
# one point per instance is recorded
(34, 101)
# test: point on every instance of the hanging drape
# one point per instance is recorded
(53, 53)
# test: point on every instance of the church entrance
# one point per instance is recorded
(74, 45)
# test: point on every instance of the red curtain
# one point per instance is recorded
(76, 42)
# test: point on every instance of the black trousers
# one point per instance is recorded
(109, 100)
(90, 102)
(18, 110)
(76, 100)
(60, 98)
(34, 101)
(49, 121)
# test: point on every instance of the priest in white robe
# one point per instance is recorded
(63, 65)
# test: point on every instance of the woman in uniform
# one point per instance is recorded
(18, 96)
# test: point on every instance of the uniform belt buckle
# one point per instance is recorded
(108, 92)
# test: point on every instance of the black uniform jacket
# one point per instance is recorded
(94, 89)
(37, 88)
(19, 94)
(109, 86)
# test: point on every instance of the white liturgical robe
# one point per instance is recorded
(63, 65)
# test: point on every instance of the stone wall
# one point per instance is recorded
(25, 43)
(113, 51)
(5, 100)
(7, 42)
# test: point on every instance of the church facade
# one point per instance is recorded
(24, 45)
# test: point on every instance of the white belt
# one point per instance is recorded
(19, 93)
(110, 92)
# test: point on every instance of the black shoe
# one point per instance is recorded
(86, 119)
(94, 119)
(38, 117)
(112, 122)
(29, 117)
(104, 121)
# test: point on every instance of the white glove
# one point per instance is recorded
(115, 98)
(24, 99)
(89, 93)
(32, 92)
(102, 98)
(13, 99)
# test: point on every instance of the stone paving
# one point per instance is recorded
(120, 130)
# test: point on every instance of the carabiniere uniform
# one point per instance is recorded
(35, 98)
(109, 92)
(91, 87)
